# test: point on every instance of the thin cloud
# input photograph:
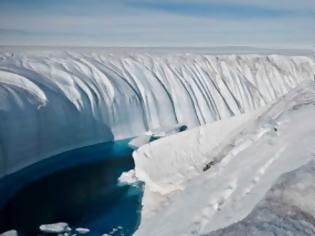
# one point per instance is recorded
(266, 4)
(125, 25)
(217, 9)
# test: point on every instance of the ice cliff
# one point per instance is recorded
(55, 101)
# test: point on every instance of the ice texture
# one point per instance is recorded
(183, 198)
(286, 209)
(52, 101)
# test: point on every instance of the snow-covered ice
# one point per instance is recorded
(195, 202)
(197, 182)
(155, 134)
(286, 209)
(167, 164)
(52, 100)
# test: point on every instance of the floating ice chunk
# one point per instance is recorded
(82, 230)
(128, 177)
(10, 233)
(60, 227)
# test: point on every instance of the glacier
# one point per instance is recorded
(242, 192)
(56, 100)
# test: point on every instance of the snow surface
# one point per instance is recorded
(155, 134)
(52, 101)
(193, 202)
(166, 165)
(288, 208)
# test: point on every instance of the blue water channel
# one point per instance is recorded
(79, 187)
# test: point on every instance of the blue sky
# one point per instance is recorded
(195, 23)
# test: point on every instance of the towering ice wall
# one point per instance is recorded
(55, 101)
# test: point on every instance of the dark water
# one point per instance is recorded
(78, 187)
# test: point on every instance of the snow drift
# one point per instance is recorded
(286, 209)
(168, 164)
(246, 162)
(54, 101)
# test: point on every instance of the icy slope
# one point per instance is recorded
(287, 208)
(244, 166)
(166, 165)
(55, 101)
